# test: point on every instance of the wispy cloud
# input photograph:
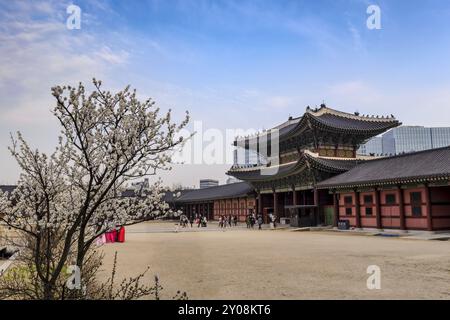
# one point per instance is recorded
(38, 51)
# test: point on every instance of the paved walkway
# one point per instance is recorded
(172, 226)
(410, 234)
(255, 264)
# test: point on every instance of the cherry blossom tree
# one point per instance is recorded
(66, 200)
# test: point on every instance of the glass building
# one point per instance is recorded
(407, 139)
(440, 137)
(372, 147)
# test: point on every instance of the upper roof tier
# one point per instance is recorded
(330, 120)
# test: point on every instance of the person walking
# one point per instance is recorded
(229, 220)
(235, 219)
(191, 220)
(260, 222)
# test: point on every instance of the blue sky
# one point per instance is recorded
(232, 64)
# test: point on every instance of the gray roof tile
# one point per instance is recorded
(418, 166)
(231, 190)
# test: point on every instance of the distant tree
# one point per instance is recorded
(66, 200)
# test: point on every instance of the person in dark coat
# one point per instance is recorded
(260, 222)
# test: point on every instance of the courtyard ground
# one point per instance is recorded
(252, 264)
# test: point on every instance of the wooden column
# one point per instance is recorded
(259, 209)
(316, 203)
(357, 209)
(336, 209)
(275, 203)
(294, 196)
(401, 207)
(429, 208)
(378, 208)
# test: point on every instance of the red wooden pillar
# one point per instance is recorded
(429, 208)
(357, 209)
(401, 207)
(378, 208)
(260, 208)
(336, 209)
(316, 203)
(275, 203)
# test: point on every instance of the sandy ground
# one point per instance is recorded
(252, 264)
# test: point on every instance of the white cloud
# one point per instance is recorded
(106, 54)
(354, 92)
(39, 53)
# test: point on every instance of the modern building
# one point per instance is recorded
(407, 139)
(440, 137)
(372, 147)
(208, 183)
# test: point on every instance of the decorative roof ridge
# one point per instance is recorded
(288, 122)
(262, 167)
(326, 110)
(214, 187)
(358, 157)
(385, 181)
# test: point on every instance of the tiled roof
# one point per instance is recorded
(8, 189)
(422, 166)
(128, 193)
(333, 165)
(342, 122)
(171, 196)
(231, 190)
(334, 120)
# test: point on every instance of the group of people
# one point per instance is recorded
(197, 219)
(253, 219)
(228, 220)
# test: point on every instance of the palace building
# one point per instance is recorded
(313, 176)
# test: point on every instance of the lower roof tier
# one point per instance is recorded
(306, 160)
